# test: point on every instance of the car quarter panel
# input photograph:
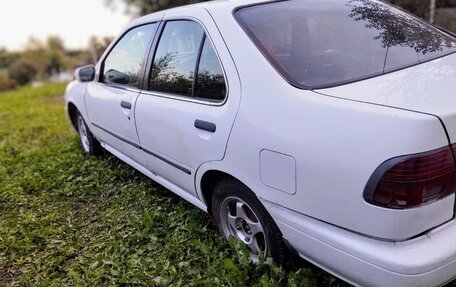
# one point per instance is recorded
(428, 88)
(337, 144)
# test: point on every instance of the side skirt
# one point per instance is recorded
(160, 180)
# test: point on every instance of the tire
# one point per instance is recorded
(90, 145)
(237, 212)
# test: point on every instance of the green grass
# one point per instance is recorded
(68, 219)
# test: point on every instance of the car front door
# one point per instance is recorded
(110, 101)
(185, 115)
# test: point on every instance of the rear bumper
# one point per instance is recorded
(429, 260)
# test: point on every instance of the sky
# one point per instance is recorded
(75, 21)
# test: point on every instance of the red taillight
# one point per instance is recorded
(410, 181)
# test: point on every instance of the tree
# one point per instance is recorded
(55, 55)
(35, 55)
(394, 31)
(432, 11)
(97, 46)
(144, 7)
(6, 58)
(48, 58)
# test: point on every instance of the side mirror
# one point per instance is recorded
(85, 74)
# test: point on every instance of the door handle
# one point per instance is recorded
(125, 105)
(207, 126)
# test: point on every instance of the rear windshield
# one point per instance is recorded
(324, 43)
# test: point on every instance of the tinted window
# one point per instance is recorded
(175, 58)
(210, 83)
(124, 63)
(330, 42)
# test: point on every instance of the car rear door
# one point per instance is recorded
(111, 100)
(185, 120)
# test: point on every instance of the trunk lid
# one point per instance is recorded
(427, 88)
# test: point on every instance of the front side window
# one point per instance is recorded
(124, 64)
(316, 44)
(184, 51)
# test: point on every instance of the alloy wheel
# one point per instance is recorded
(83, 134)
(240, 221)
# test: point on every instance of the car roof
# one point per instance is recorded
(228, 5)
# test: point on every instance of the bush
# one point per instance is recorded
(6, 83)
(22, 71)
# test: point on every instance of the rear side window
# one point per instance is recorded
(210, 83)
(183, 52)
(317, 44)
(124, 64)
(175, 59)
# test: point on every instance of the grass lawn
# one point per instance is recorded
(68, 219)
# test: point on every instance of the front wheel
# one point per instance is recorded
(90, 145)
(238, 213)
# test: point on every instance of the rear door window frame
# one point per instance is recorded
(148, 67)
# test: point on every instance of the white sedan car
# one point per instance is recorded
(322, 128)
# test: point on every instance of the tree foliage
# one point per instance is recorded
(97, 46)
(7, 58)
(38, 60)
(394, 31)
(55, 50)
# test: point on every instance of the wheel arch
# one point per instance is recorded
(73, 114)
(75, 101)
(209, 181)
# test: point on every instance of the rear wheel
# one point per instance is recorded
(90, 145)
(238, 213)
